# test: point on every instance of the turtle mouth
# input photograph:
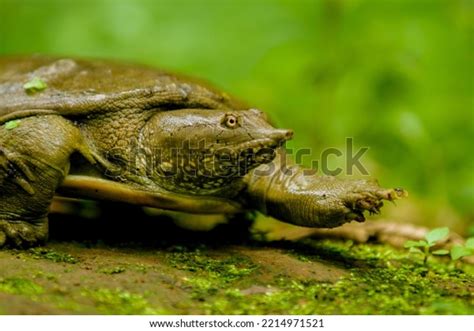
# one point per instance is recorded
(257, 145)
(251, 153)
(275, 139)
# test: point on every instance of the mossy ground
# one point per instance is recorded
(200, 273)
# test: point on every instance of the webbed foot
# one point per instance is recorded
(327, 202)
(22, 234)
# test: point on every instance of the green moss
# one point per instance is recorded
(120, 302)
(201, 287)
(212, 274)
(14, 285)
(379, 280)
(140, 267)
(49, 254)
(226, 269)
(382, 280)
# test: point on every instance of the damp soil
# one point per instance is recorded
(121, 263)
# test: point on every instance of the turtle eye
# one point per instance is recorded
(231, 121)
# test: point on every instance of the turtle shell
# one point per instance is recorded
(80, 87)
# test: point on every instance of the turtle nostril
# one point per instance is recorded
(281, 135)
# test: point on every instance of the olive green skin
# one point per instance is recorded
(94, 133)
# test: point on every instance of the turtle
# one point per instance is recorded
(106, 130)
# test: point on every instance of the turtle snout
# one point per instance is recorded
(288, 134)
(281, 135)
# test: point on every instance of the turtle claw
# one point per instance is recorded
(370, 199)
(355, 216)
(393, 194)
(14, 166)
(24, 184)
(19, 233)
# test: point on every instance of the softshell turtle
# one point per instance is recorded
(120, 132)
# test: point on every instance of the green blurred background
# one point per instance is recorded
(397, 76)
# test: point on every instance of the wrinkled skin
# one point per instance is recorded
(127, 133)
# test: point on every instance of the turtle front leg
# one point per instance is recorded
(291, 195)
(34, 158)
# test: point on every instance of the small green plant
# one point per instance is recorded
(460, 251)
(424, 246)
(470, 231)
(35, 85)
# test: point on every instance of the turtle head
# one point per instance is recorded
(202, 151)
